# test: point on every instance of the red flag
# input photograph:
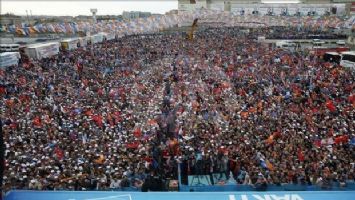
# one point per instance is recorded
(317, 143)
(110, 119)
(217, 91)
(117, 116)
(88, 112)
(13, 125)
(148, 159)
(10, 102)
(300, 155)
(100, 91)
(79, 67)
(22, 80)
(133, 145)
(26, 65)
(97, 119)
(27, 109)
(351, 98)
(314, 110)
(330, 105)
(24, 98)
(59, 153)
(137, 133)
(341, 139)
(277, 134)
(37, 121)
(2, 90)
(85, 82)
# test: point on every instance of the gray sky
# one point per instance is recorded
(75, 7)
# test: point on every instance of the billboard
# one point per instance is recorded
(99, 195)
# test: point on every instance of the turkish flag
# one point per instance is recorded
(26, 65)
(88, 112)
(100, 91)
(10, 102)
(317, 143)
(330, 105)
(133, 145)
(242, 92)
(22, 80)
(341, 139)
(351, 98)
(37, 121)
(300, 155)
(27, 109)
(137, 133)
(59, 153)
(2, 90)
(217, 91)
(97, 119)
(79, 67)
(13, 125)
(85, 82)
(117, 116)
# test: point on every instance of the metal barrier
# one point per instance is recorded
(350, 186)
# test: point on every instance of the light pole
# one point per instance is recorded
(28, 19)
(93, 11)
(31, 14)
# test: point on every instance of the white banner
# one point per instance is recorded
(304, 10)
(321, 11)
(263, 10)
(249, 10)
(292, 10)
(277, 11)
(217, 6)
(237, 10)
(187, 7)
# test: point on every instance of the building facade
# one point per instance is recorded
(9, 19)
(300, 7)
(135, 14)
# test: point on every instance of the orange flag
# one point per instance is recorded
(270, 140)
(269, 165)
(244, 114)
(152, 122)
(100, 160)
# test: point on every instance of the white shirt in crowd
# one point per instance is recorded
(115, 183)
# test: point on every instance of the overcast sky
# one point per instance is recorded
(77, 7)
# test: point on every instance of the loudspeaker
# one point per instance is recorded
(334, 10)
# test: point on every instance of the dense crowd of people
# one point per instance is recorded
(128, 112)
